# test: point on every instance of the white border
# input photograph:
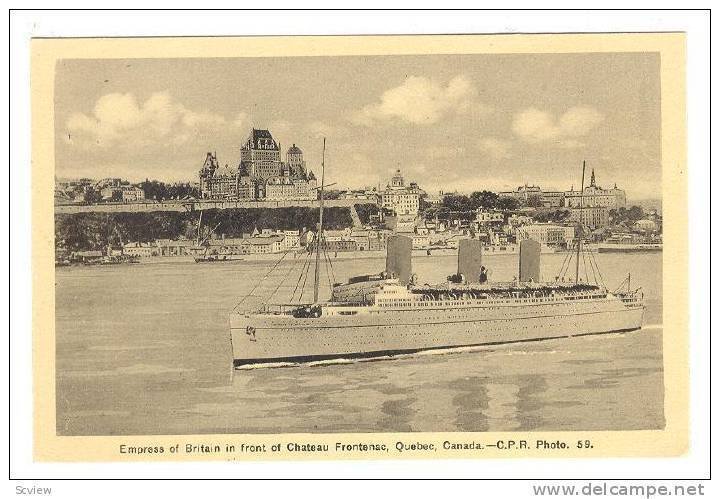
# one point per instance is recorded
(25, 24)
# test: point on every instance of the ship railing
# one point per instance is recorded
(282, 308)
(289, 308)
(509, 286)
(349, 303)
(443, 294)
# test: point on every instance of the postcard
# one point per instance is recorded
(376, 247)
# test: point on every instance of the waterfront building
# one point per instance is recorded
(420, 241)
(294, 161)
(488, 217)
(247, 246)
(183, 247)
(362, 195)
(227, 246)
(207, 176)
(362, 239)
(340, 245)
(399, 198)
(140, 249)
(431, 226)
(108, 182)
(515, 220)
(72, 191)
(261, 173)
(288, 188)
(646, 225)
(533, 195)
(525, 195)
(337, 234)
(553, 199)
(594, 196)
(625, 238)
(260, 156)
(291, 239)
(132, 194)
(594, 217)
(122, 192)
(88, 256)
(547, 234)
(435, 199)
(426, 227)
(110, 193)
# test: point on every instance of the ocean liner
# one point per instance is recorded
(389, 313)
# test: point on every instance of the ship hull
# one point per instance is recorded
(267, 338)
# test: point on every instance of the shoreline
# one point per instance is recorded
(272, 257)
(339, 256)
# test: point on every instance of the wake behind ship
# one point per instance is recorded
(390, 313)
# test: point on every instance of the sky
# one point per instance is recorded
(449, 122)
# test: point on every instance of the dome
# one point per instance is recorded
(294, 150)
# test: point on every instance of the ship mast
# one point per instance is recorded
(318, 237)
(580, 225)
(199, 228)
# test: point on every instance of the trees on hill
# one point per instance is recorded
(159, 191)
(480, 199)
(465, 206)
(622, 214)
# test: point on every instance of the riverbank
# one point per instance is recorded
(338, 256)
(272, 257)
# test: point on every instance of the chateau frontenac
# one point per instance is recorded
(260, 175)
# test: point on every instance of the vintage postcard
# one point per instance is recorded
(377, 247)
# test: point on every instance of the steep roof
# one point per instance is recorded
(224, 171)
(211, 162)
(262, 139)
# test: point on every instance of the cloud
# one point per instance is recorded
(319, 129)
(422, 101)
(534, 125)
(356, 170)
(242, 120)
(495, 148)
(119, 119)
(447, 151)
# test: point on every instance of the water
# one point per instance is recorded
(145, 349)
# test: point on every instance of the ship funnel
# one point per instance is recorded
(398, 262)
(529, 261)
(470, 259)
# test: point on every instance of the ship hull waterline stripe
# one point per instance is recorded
(314, 326)
(390, 353)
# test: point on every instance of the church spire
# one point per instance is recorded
(592, 178)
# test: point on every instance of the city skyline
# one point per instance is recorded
(474, 117)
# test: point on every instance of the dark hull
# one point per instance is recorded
(217, 260)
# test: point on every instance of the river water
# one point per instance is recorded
(145, 349)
